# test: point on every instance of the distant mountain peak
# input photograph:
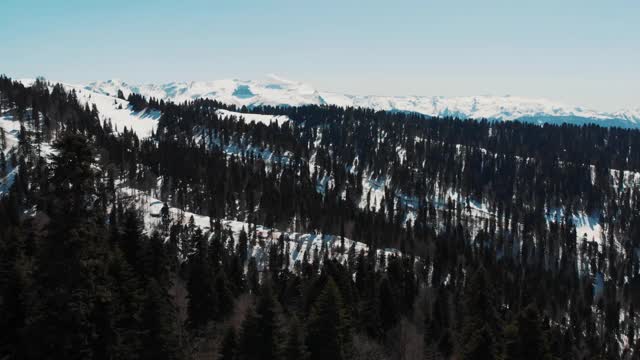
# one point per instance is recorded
(280, 79)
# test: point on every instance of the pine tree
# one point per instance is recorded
(165, 216)
(295, 347)
(389, 305)
(160, 338)
(14, 286)
(202, 307)
(3, 139)
(3, 165)
(525, 338)
(132, 241)
(72, 264)
(262, 335)
(329, 329)
(481, 326)
(223, 295)
(128, 304)
(243, 245)
(253, 277)
(73, 178)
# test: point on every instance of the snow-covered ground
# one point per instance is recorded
(242, 149)
(11, 128)
(587, 226)
(118, 111)
(298, 244)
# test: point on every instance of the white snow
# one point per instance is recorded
(143, 123)
(299, 243)
(587, 226)
(11, 129)
(275, 91)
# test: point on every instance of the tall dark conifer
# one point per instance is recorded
(329, 327)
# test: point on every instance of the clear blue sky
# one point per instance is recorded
(584, 52)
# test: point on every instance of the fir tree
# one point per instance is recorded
(160, 339)
(526, 338)
(295, 347)
(262, 335)
(329, 329)
(481, 328)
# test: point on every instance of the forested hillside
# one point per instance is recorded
(313, 232)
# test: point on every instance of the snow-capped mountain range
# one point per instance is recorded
(278, 91)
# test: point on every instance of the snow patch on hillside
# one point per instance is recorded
(255, 118)
(11, 130)
(587, 226)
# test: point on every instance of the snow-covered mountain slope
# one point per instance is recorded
(118, 111)
(277, 91)
(113, 109)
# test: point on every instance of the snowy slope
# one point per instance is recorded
(143, 123)
(299, 244)
(11, 129)
(277, 91)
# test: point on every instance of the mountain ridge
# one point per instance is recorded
(276, 91)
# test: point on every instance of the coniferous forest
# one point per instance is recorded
(450, 239)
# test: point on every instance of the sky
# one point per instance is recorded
(583, 52)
